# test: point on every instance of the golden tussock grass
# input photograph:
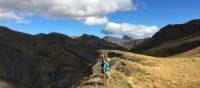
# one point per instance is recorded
(152, 72)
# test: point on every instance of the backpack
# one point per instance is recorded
(107, 67)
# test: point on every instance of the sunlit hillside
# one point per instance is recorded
(131, 70)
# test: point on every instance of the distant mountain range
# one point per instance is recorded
(118, 41)
(126, 41)
(128, 38)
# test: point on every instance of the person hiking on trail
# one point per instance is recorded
(102, 56)
(106, 70)
(104, 67)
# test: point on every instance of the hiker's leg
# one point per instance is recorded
(107, 78)
(108, 75)
(107, 82)
(103, 78)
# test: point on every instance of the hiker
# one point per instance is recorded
(106, 68)
(102, 56)
(100, 69)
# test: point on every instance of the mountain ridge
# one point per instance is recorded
(171, 33)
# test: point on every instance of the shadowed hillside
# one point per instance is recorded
(46, 60)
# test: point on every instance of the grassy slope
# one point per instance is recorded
(152, 72)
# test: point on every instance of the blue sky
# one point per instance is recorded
(145, 12)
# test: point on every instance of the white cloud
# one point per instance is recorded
(112, 28)
(63, 8)
(96, 21)
(135, 31)
(88, 11)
